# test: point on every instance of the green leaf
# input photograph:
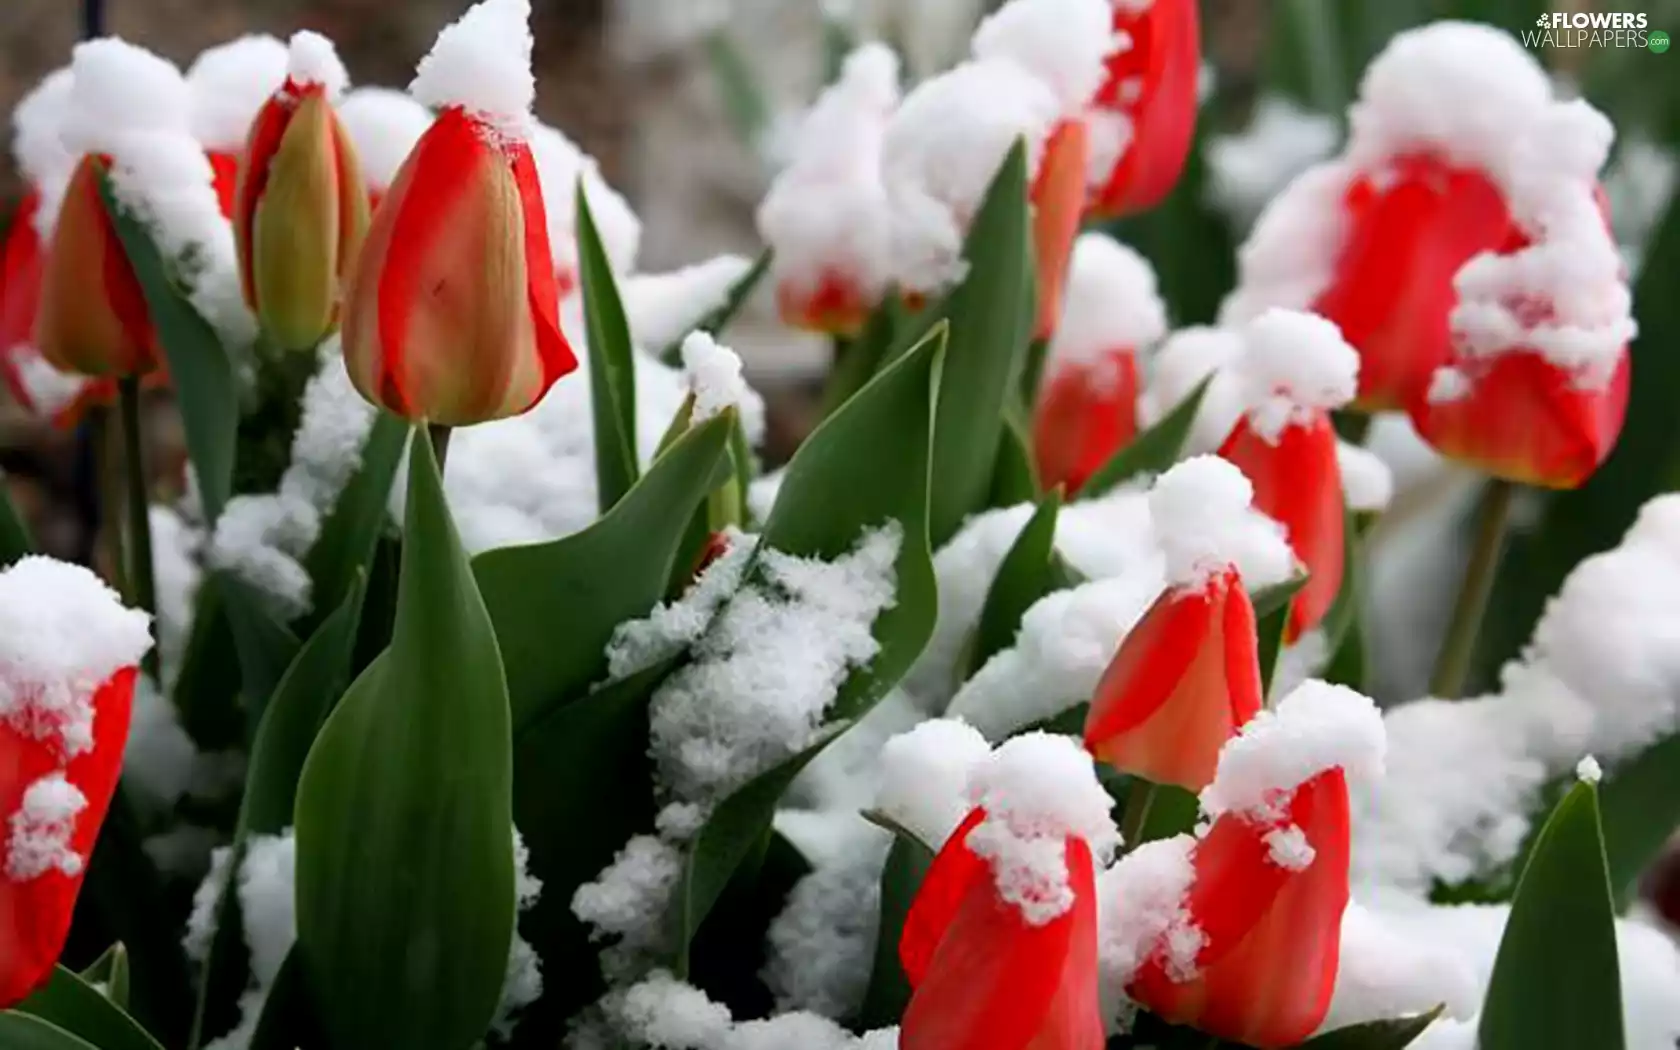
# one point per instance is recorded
(1151, 452)
(612, 364)
(1640, 798)
(1172, 811)
(405, 874)
(729, 955)
(889, 990)
(555, 605)
(110, 970)
(1271, 610)
(266, 647)
(856, 360)
(991, 315)
(877, 450)
(1342, 637)
(80, 1009)
(1028, 572)
(21, 1031)
(344, 551)
(207, 685)
(15, 541)
(1375, 1035)
(735, 298)
(1556, 982)
(1014, 478)
(199, 368)
(287, 1021)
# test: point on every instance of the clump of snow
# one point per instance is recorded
(135, 108)
(1203, 516)
(266, 901)
(821, 947)
(41, 830)
(1290, 256)
(826, 215)
(1246, 169)
(1061, 42)
(38, 150)
(1588, 771)
(714, 379)
(1388, 971)
(1038, 790)
(1295, 366)
(766, 669)
(627, 900)
(661, 1011)
(63, 634)
(925, 775)
(1189, 357)
(1141, 906)
(482, 63)
(49, 391)
(176, 566)
(663, 307)
(160, 757)
(229, 84)
(677, 624)
(1111, 304)
(1367, 481)
(560, 165)
(312, 60)
(1316, 728)
(383, 126)
(1288, 848)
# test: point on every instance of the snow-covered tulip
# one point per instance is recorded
(229, 84)
(1000, 944)
(452, 310)
(68, 656)
(301, 210)
(1250, 955)
(20, 288)
(1187, 676)
(45, 165)
(1087, 403)
(1144, 117)
(1295, 368)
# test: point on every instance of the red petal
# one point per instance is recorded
(1058, 198)
(267, 131)
(1393, 289)
(1165, 58)
(224, 176)
(835, 305)
(942, 891)
(544, 284)
(1298, 482)
(20, 290)
(1086, 413)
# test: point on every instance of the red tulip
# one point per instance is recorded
(20, 290)
(1408, 234)
(1149, 99)
(836, 304)
(452, 310)
(1058, 197)
(93, 318)
(1267, 899)
(1085, 414)
(984, 977)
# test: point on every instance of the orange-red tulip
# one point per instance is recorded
(20, 290)
(1149, 98)
(1058, 197)
(1085, 414)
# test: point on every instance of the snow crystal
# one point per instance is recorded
(39, 151)
(663, 307)
(675, 625)
(1249, 168)
(63, 634)
(262, 541)
(1295, 366)
(680, 821)
(1204, 519)
(925, 774)
(482, 63)
(229, 85)
(628, 898)
(769, 664)
(201, 921)
(312, 60)
(1038, 790)
(1111, 304)
(1316, 728)
(176, 547)
(1178, 367)
(522, 986)
(383, 126)
(560, 164)
(825, 215)
(1588, 770)
(1141, 910)
(714, 378)
(1061, 42)
(1367, 482)
(42, 830)
(1288, 848)
(821, 947)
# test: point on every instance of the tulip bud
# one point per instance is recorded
(301, 211)
(20, 290)
(1058, 198)
(1144, 117)
(93, 318)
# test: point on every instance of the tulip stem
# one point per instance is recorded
(439, 435)
(1459, 647)
(140, 571)
(1139, 799)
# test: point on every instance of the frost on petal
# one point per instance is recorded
(1204, 518)
(39, 834)
(924, 777)
(63, 634)
(1317, 727)
(482, 63)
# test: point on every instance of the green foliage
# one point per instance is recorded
(612, 364)
(75, 1005)
(1151, 452)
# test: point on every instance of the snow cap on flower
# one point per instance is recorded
(1037, 791)
(1113, 303)
(482, 63)
(1294, 366)
(119, 90)
(714, 378)
(63, 634)
(1316, 728)
(312, 60)
(383, 125)
(38, 150)
(229, 84)
(1061, 42)
(925, 774)
(1204, 522)
(1183, 362)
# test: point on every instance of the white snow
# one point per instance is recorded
(160, 757)
(1189, 356)
(49, 390)
(1288, 848)
(821, 947)
(1202, 514)
(1588, 770)
(1290, 255)
(311, 60)
(664, 307)
(63, 634)
(560, 164)
(1061, 42)
(714, 378)
(38, 151)
(1038, 790)
(825, 215)
(1140, 901)
(41, 830)
(1367, 481)
(1246, 169)
(229, 85)
(627, 900)
(482, 63)
(1387, 970)
(1111, 304)
(664, 1013)
(924, 777)
(383, 126)
(677, 624)
(1316, 728)
(1294, 367)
